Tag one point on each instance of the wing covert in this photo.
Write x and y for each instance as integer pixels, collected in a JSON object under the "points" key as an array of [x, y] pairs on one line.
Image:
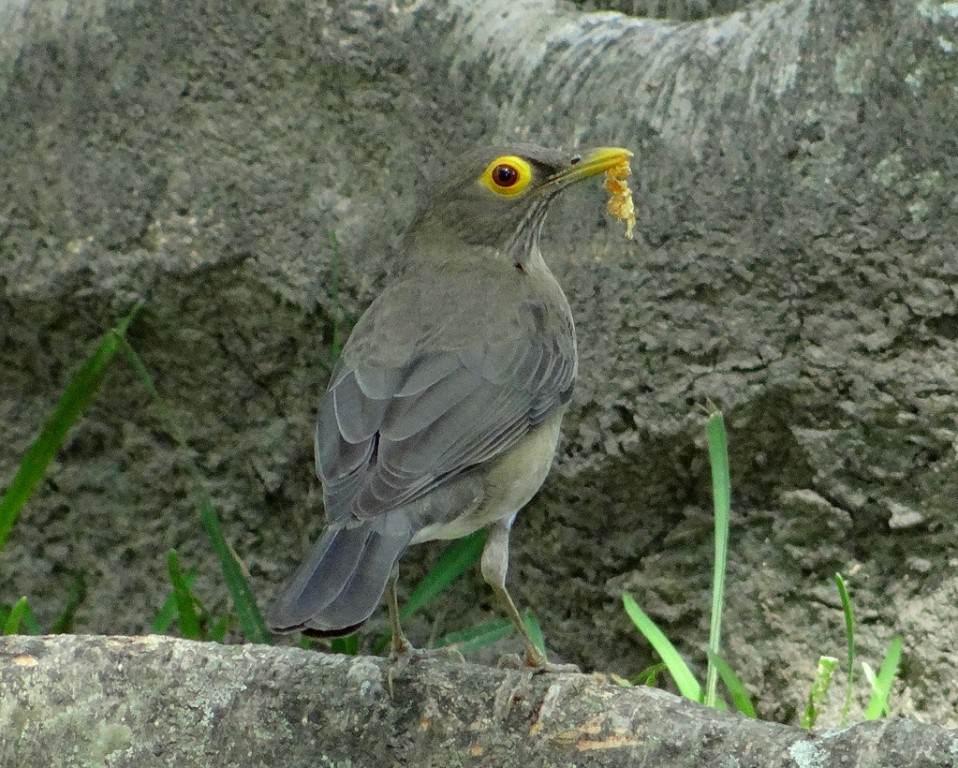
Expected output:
{"points": [[385, 439]]}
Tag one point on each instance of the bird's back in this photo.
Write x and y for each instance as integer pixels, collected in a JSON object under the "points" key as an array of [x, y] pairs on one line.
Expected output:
{"points": [[440, 376]]}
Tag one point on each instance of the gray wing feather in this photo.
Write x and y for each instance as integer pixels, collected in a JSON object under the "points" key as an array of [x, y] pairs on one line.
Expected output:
{"points": [[430, 370], [358, 414], [414, 412], [387, 435]]}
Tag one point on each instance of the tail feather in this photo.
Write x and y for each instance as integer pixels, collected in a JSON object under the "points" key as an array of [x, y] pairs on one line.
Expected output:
{"points": [[340, 583], [362, 593]]}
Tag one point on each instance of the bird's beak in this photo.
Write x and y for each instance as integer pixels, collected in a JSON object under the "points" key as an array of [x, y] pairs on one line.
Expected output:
{"points": [[594, 162]]}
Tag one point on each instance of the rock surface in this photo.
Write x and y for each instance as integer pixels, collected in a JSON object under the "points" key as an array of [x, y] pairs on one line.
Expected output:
{"points": [[157, 701]]}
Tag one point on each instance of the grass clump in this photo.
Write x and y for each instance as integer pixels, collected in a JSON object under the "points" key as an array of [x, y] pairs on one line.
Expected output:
{"points": [[73, 403], [672, 661], [880, 683]]}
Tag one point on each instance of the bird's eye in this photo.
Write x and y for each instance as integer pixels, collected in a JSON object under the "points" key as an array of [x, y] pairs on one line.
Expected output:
{"points": [[507, 176], [504, 175]]}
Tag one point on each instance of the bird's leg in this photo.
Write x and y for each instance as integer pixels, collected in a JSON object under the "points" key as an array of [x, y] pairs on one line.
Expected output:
{"points": [[495, 565], [402, 648]]}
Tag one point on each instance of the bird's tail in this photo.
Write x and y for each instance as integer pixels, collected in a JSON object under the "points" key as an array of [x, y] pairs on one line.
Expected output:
{"points": [[340, 583]]}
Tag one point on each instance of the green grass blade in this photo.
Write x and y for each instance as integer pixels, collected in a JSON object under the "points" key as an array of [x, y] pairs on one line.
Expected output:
{"points": [[649, 675], [684, 679], [721, 500], [11, 624], [535, 631], [30, 624], [75, 597], [247, 611], [167, 614], [347, 645], [475, 638], [71, 405], [849, 643], [186, 613], [218, 629], [737, 692], [456, 560], [22, 619], [818, 694], [17, 617], [881, 690]]}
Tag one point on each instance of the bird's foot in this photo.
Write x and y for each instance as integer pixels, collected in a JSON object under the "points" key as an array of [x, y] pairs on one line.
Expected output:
{"points": [[536, 663], [555, 668], [404, 652], [401, 658]]}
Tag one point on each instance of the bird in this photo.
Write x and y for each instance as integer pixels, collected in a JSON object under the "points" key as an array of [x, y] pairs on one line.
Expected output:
{"points": [[442, 413]]}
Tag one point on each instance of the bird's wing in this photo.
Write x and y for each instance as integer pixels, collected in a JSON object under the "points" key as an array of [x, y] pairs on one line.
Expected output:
{"points": [[393, 428]]}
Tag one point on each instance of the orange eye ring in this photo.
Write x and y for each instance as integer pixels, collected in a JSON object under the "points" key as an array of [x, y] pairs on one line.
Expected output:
{"points": [[507, 176]]}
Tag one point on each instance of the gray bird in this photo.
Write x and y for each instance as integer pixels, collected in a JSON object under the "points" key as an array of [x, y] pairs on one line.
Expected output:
{"points": [[443, 412]]}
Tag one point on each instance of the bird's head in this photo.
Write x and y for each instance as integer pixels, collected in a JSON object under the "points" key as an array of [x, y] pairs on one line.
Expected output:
{"points": [[497, 197]]}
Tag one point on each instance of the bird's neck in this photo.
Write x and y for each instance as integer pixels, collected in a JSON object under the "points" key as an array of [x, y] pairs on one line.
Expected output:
{"points": [[432, 246]]}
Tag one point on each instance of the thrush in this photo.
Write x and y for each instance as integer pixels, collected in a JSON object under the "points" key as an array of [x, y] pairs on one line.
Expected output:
{"points": [[442, 414]]}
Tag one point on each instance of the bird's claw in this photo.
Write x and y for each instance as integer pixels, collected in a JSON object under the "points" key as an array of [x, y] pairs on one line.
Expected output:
{"points": [[404, 654], [535, 663]]}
